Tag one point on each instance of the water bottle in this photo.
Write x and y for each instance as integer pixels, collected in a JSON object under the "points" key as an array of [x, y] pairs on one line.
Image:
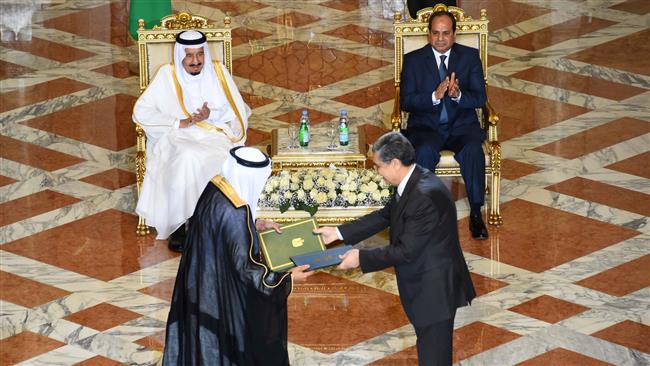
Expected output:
{"points": [[303, 133], [344, 135]]}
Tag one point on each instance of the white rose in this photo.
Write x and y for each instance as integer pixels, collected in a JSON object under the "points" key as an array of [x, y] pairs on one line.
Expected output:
{"points": [[308, 184], [295, 178], [321, 197], [287, 195], [295, 186], [364, 187], [284, 183], [351, 198], [353, 186], [320, 182], [362, 196], [268, 188], [345, 187], [372, 186], [301, 194], [331, 194], [376, 196], [313, 193], [275, 198], [385, 193], [330, 185]]}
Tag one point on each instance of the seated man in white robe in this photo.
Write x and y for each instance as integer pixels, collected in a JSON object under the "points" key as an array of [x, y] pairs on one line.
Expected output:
{"points": [[192, 114]]}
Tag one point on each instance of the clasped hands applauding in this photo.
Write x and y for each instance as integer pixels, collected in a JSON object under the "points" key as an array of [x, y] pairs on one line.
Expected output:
{"points": [[449, 86], [201, 115]]}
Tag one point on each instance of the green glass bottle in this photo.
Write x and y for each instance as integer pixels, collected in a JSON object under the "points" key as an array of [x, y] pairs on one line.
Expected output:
{"points": [[344, 133], [303, 132]]}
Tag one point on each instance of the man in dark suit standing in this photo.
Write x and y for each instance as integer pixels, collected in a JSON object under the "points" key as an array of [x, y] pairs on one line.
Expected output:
{"points": [[432, 276], [442, 84]]}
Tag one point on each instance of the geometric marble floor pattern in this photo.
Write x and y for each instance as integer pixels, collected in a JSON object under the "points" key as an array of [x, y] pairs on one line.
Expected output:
{"points": [[564, 281]]}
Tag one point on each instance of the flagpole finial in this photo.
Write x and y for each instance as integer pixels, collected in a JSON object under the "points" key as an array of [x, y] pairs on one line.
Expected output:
{"points": [[140, 24], [226, 21]]}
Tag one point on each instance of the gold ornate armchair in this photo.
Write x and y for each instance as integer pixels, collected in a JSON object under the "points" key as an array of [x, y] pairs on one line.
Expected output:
{"points": [[156, 48], [411, 35]]}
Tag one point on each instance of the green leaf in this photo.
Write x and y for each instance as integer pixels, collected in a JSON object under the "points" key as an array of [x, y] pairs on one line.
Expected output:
{"points": [[307, 208], [284, 206]]}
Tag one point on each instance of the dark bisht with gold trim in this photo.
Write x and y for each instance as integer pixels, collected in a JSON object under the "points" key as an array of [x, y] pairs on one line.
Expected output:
{"points": [[228, 308]]}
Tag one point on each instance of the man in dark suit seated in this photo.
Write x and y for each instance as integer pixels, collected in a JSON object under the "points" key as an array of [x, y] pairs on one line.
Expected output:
{"points": [[432, 276], [441, 86]]}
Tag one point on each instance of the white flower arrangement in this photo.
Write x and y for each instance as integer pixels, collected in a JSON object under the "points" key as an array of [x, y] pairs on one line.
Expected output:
{"points": [[309, 189]]}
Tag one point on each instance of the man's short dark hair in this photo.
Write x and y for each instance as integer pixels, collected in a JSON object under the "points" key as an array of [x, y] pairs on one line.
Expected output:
{"points": [[393, 145], [443, 13]]}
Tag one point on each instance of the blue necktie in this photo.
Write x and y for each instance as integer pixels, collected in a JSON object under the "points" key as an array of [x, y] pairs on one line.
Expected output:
{"points": [[442, 71]]}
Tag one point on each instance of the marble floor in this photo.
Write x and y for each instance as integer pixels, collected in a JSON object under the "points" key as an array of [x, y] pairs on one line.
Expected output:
{"points": [[564, 281]]}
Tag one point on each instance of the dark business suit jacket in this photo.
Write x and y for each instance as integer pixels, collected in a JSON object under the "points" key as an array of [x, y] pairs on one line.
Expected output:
{"points": [[420, 78], [432, 275]]}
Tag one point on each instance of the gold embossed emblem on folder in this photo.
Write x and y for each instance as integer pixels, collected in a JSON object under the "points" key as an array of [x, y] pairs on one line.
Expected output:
{"points": [[297, 242], [296, 238]]}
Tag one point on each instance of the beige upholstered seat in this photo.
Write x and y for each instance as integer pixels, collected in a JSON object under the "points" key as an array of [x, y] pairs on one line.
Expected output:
{"points": [[411, 35], [155, 49]]}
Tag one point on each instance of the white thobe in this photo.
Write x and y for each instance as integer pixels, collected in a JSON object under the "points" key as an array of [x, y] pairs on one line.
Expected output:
{"points": [[181, 161]]}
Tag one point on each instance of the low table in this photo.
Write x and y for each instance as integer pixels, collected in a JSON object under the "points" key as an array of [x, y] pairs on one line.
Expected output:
{"points": [[317, 155]]}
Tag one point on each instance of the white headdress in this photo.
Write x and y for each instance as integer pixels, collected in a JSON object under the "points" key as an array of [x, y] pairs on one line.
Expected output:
{"points": [[205, 86], [247, 169]]}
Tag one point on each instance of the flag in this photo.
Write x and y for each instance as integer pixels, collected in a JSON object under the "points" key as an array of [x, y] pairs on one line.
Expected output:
{"points": [[149, 10]]}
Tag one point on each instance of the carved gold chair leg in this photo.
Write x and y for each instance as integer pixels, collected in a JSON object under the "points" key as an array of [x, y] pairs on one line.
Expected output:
{"points": [[140, 156], [142, 228], [494, 217]]}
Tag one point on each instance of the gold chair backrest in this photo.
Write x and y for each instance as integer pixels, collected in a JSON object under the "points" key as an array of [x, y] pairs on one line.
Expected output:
{"points": [[156, 46], [413, 34]]}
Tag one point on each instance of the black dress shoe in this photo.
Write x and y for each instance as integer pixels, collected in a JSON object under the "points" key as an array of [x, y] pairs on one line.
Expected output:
{"points": [[477, 227], [176, 240]]}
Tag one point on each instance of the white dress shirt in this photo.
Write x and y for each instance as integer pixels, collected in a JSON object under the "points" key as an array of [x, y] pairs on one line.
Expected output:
{"points": [[437, 55]]}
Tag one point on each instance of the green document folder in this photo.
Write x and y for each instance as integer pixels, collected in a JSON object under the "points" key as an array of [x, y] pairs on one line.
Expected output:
{"points": [[296, 238]]}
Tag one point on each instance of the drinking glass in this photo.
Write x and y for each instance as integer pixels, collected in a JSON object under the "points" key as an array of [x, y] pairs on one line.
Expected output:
{"points": [[293, 136], [333, 134]]}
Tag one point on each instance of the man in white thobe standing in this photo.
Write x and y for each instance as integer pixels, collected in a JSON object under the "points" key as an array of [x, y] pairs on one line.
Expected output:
{"points": [[192, 114]]}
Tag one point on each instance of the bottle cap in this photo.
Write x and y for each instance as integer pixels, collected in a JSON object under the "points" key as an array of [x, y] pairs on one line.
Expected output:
{"points": [[344, 112], [304, 112]]}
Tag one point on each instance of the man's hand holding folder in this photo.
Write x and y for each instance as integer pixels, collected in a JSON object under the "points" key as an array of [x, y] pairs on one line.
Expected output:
{"points": [[349, 259]]}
